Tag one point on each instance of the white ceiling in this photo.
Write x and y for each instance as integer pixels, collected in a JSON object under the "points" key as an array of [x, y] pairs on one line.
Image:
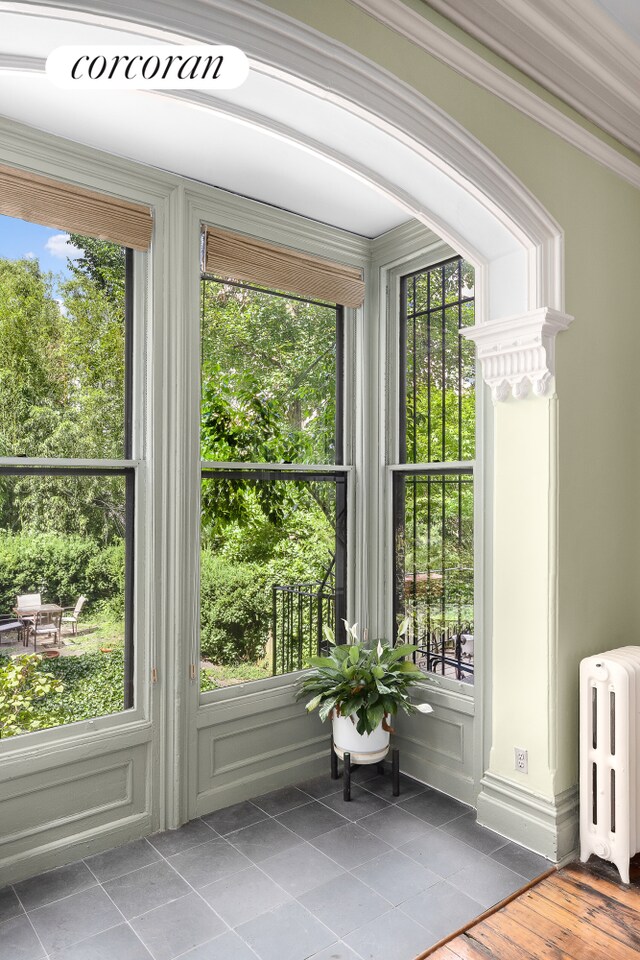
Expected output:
{"points": [[215, 139]]}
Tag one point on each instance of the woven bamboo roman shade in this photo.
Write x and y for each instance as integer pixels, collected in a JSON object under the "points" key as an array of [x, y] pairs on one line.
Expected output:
{"points": [[255, 261], [52, 203]]}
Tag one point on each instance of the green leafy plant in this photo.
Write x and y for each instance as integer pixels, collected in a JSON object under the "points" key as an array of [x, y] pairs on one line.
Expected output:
{"points": [[367, 684], [22, 684], [93, 686], [235, 609]]}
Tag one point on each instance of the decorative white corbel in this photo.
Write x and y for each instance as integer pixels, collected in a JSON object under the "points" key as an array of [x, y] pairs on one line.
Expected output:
{"points": [[518, 353]]}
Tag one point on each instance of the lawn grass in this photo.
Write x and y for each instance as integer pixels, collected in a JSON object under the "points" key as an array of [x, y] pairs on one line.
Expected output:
{"points": [[214, 676]]}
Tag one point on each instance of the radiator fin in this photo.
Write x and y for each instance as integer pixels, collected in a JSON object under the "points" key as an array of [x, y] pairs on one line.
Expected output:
{"points": [[612, 721], [613, 801]]}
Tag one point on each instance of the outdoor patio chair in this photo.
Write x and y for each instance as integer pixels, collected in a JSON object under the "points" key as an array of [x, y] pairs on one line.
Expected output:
{"points": [[73, 618], [9, 623], [46, 626], [28, 601]]}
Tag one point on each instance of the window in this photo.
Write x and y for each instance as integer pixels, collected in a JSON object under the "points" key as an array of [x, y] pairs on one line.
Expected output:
{"points": [[274, 488], [433, 484], [67, 474]]}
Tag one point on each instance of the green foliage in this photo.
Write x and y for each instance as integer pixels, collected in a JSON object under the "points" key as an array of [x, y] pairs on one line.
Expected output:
{"points": [[285, 346], [235, 608], [241, 422], [32, 374], [86, 506], [93, 337], [458, 436], [61, 568], [268, 395], [102, 262], [236, 581], [62, 389], [224, 676], [23, 685], [369, 685], [93, 686], [440, 367], [62, 362], [297, 551]]}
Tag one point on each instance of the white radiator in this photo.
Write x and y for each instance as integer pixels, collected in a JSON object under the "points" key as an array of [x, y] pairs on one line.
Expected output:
{"points": [[609, 761]]}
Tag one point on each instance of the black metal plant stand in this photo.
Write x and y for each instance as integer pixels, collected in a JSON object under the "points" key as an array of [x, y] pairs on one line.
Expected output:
{"points": [[346, 773]]}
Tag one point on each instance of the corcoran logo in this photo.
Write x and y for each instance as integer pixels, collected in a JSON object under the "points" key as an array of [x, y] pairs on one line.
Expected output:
{"points": [[126, 67]]}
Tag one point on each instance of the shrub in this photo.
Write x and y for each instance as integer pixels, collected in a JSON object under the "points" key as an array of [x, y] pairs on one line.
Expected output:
{"points": [[61, 567], [235, 609], [105, 578], [93, 687], [24, 684]]}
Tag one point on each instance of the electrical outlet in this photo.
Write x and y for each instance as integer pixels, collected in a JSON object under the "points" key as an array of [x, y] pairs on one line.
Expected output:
{"points": [[521, 760]]}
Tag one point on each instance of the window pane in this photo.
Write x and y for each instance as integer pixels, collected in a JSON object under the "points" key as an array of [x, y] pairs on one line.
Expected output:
{"points": [[64, 537], [438, 380], [268, 377], [62, 344], [433, 576], [272, 572]]}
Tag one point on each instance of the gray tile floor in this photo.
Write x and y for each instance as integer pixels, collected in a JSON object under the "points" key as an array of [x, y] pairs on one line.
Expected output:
{"points": [[292, 875]]}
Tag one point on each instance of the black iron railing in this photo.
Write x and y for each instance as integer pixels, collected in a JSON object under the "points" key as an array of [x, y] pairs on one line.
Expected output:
{"points": [[300, 611], [447, 650]]}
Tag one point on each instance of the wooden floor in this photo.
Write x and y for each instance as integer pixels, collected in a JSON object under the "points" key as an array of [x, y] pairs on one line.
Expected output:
{"points": [[577, 913]]}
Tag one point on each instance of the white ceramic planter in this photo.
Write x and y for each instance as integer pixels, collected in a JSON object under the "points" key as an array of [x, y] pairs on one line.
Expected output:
{"points": [[363, 747]]}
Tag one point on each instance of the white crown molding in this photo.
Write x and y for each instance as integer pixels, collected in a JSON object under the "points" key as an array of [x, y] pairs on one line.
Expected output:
{"points": [[439, 44], [573, 48], [518, 353]]}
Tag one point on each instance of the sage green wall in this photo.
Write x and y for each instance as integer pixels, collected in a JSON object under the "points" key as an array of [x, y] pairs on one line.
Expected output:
{"points": [[598, 567]]}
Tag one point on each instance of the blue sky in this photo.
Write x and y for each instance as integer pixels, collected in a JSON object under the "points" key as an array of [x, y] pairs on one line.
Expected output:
{"points": [[20, 239]]}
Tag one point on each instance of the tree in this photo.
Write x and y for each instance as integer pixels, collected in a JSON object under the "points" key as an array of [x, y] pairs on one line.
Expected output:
{"points": [[288, 347], [268, 395], [33, 381], [93, 338], [103, 263], [62, 389], [241, 422]]}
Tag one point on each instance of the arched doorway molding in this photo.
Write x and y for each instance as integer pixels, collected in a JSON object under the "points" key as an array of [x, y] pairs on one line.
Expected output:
{"points": [[285, 50]]}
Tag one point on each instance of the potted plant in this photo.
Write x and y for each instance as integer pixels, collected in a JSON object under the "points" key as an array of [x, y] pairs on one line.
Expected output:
{"points": [[361, 688]]}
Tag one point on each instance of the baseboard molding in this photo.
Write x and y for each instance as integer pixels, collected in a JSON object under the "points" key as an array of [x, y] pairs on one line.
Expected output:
{"points": [[256, 783], [30, 863], [549, 827], [455, 784]]}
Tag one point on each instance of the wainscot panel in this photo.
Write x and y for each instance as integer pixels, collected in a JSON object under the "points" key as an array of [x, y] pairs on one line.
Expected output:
{"points": [[437, 748], [65, 805], [255, 743]]}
